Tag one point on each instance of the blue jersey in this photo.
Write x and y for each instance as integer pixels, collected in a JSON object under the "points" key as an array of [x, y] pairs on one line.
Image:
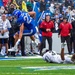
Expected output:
{"points": [[28, 21]]}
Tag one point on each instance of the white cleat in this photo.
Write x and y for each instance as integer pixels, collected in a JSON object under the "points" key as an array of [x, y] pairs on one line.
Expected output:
{"points": [[11, 49], [6, 56], [15, 48]]}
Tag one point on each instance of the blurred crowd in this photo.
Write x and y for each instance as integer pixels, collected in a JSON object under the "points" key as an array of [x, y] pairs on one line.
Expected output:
{"points": [[57, 9]]}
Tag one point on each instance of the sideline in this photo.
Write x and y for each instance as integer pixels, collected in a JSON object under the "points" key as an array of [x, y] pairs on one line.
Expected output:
{"points": [[20, 58]]}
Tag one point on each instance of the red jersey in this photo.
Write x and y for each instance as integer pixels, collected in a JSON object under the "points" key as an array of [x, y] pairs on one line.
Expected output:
{"points": [[65, 28], [47, 25]]}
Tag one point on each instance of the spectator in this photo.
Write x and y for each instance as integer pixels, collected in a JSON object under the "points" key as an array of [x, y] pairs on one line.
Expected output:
{"points": [[57, 10], [64, 9], [2, 9], [5, 2], [72, 13], [6, 9], [56, 23], [68, 3], [38, 4], [72, 6], [42, 5], [60, 19], [20, 4], [29, 6], [62, 13], [69, 9], [47, 4], [64, 31], [46, 27], [61, 7], [11, 8], [12, 31], [52, 8], [33, 4], [4, 32]]}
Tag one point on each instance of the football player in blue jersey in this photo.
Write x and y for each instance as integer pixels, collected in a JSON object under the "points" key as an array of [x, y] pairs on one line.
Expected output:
{"points": [[27, 26]]}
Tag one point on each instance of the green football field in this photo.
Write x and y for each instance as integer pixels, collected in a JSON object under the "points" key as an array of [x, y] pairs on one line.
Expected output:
{"points": [[35, 66]]}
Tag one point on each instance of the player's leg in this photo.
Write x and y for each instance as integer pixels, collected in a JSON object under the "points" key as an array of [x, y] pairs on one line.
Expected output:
{"points": [[71, 43], [68, 44], [32, 38], [6, 45], [31, 34], [0, 44], [73, 58], [62, 47], [26, 32], [49, 39], [62, 51], [16, 36], [22, 43], [74, 46], [42, 44]]}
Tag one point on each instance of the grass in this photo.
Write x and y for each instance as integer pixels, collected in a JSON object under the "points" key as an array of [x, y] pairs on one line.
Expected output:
{"points": [[14, 67]]}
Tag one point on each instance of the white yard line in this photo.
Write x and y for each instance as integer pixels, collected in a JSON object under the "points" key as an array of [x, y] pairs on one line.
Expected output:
{"points": [[41, 68], [26, 57], [22, 73]]}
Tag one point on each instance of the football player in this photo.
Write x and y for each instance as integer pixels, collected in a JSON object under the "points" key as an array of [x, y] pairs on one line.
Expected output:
{"points": [[52, 56], [26, 24]]}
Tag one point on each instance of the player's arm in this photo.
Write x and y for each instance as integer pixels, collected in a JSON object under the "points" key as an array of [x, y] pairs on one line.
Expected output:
{"points": [[32, 14], [20, 34], [62, 52], [21, 31]]}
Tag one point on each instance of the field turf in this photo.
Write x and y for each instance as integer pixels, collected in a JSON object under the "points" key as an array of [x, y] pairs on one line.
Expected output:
{"points": [[35, 66]]}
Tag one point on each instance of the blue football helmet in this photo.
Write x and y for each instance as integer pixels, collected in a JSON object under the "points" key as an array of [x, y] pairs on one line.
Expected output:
{"points": [[17, 13]]}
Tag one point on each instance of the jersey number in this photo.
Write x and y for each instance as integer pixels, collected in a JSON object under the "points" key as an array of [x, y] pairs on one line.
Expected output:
{"points": [[27, 18]]}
